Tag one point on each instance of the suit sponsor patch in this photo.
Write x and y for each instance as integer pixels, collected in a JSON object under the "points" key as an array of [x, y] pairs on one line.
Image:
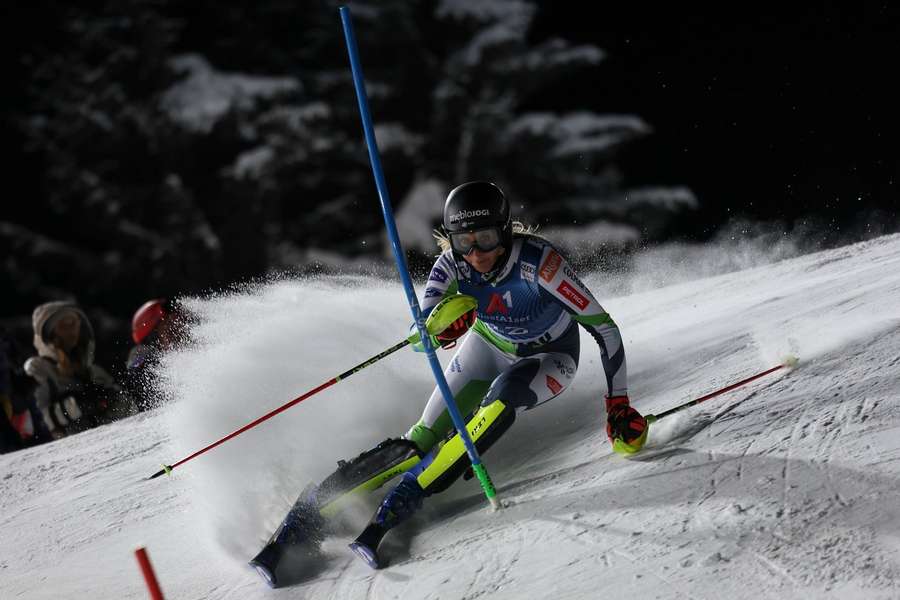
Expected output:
{"points": [[528, 272], [564, 370], [572, 295], [571, 275], [550, 266], [438, 274], [553, 385]]}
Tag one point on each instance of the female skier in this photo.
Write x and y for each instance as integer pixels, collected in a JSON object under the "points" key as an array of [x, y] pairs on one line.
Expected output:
{"points": [[524, 352]]}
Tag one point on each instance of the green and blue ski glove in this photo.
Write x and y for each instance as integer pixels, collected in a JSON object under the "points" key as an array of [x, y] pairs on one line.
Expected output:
{"points": [[626, 428], [460, 308]]}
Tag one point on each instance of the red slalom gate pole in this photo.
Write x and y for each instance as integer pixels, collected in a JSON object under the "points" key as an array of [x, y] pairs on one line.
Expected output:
{"points": [[789, 363], [149, 576]]}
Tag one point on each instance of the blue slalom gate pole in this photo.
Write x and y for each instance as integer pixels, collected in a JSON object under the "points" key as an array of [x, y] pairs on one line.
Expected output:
{"points": [[400, 257]]}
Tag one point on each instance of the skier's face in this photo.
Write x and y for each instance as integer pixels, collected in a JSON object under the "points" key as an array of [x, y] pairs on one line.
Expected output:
{"points": [[484, 262]]}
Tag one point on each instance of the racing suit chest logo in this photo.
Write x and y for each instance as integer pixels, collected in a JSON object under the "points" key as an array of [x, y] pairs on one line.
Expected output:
{"points": [[550, 266], [497, 305]]}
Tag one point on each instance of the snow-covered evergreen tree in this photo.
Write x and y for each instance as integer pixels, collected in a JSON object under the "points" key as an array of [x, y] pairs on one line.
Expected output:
{"points": [[179, 152], [558, 168]]}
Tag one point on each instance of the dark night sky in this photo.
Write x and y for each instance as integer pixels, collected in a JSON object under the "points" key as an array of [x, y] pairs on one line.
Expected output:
{"points": [[776, 113], [773, 114], [784, 113]]}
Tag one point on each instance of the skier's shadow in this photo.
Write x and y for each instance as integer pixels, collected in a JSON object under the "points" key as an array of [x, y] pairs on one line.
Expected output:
{"points": [[838, 493], [299, 566], [396, 547], [460, 506]]}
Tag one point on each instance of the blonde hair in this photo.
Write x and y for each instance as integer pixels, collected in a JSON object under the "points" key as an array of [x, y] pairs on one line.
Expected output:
{"points": [[518, 228]]}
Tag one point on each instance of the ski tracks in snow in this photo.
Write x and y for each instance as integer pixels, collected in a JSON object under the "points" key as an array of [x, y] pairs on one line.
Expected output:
{"points": [[789, 492], [818, 534]]}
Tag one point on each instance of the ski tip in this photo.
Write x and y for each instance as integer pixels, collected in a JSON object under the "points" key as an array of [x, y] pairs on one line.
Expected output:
{"points": [[790, 361], [369, 556]]}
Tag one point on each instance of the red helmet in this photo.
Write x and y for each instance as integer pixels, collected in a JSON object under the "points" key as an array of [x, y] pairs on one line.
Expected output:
{"points": [[147, 318]]}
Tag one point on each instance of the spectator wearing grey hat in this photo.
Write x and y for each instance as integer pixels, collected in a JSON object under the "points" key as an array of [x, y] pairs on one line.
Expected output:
{"points": [[72, 393]]}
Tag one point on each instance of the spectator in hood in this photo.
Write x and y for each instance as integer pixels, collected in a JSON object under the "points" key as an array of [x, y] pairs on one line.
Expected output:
{"points": [[156, 328], [72, 394]]}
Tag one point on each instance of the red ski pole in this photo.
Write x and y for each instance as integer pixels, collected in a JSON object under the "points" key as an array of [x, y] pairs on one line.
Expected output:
{"points": [[446, 312], [789, 363], [168, 468], [149, 576]]}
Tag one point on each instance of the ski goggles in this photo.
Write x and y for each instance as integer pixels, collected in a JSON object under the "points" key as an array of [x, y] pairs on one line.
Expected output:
{"points": [[483, 239]]}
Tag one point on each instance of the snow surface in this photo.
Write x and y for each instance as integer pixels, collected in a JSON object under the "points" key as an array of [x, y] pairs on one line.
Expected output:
{"points": [[787, 488]]}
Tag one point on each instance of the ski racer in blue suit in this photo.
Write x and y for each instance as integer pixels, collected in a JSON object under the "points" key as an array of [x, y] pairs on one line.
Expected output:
{"points": [[524, 350]]}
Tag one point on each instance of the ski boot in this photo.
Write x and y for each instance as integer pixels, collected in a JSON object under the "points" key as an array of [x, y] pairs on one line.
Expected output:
{"points": [[306, 524], [399, 505], [302, 527], [433, 474]]}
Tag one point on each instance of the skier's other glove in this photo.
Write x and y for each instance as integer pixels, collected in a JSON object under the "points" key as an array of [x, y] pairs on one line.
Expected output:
{"points": [[625, 427], [458, 328]]}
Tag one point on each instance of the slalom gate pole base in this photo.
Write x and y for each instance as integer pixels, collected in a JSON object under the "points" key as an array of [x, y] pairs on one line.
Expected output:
{"points": [[487, 485], [149, 575]]}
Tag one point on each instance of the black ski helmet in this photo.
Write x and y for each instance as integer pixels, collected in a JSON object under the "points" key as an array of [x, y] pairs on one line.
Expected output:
{"points": [[477, 205]]}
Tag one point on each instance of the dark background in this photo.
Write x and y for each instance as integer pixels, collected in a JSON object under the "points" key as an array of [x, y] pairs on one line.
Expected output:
{"points": [[782, 115]]}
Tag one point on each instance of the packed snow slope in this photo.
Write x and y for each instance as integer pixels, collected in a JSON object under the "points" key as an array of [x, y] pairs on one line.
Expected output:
{"points": [[786, 488]]}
